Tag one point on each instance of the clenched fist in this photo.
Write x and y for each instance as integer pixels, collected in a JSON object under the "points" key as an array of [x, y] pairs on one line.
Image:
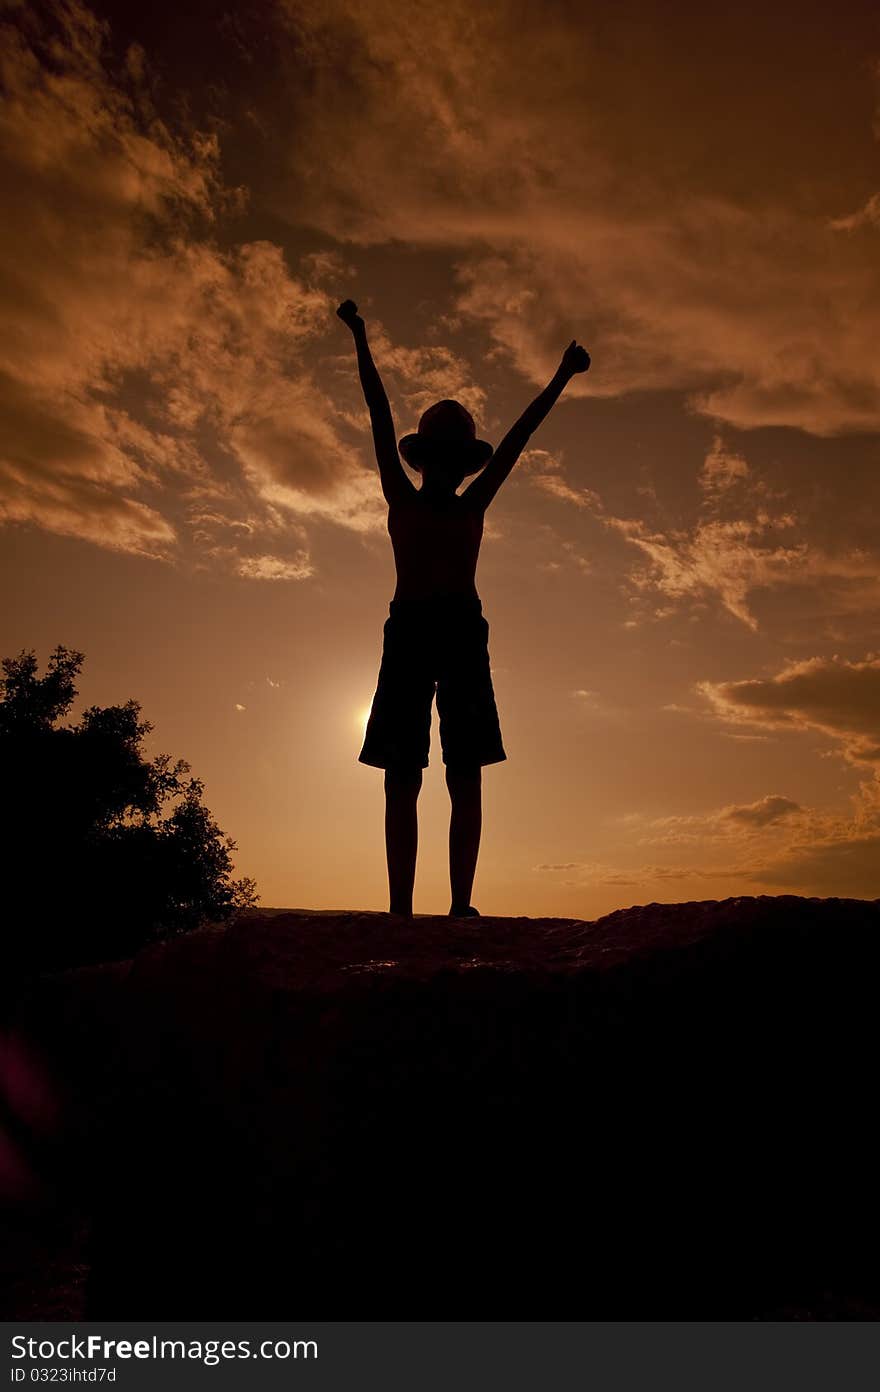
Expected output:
{"points": [[575, 359], [348, 313]]}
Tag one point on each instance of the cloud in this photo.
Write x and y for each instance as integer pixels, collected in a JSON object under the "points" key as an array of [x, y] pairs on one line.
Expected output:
{"points": [[766, 811], [557, 487], [735, 822], [539, 462], [575, 212], [829, 853], [546, 471], [275, 568], [722, 469], [144, 370], [821, 852], [594, 873], [62, 468], [772, 842], [844, 865], [326, 268], [834, 696], [157, 368], [426, 374], [832, 854], [867, 216], [730, 557]]}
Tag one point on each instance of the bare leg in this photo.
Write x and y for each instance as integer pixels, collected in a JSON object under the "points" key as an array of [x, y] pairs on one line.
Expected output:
{"points": [[465, 825], [401, 835]]}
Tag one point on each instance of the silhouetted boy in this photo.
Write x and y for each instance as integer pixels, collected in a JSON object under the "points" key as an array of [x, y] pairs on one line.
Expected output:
{"points": [[435, 636]]}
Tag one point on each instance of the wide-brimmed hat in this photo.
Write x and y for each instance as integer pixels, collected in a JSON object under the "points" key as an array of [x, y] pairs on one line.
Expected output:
{"points": [[446, 428]]}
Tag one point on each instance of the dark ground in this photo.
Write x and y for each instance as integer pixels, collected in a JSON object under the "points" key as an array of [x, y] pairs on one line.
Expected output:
{"points": [[666, 1114]]}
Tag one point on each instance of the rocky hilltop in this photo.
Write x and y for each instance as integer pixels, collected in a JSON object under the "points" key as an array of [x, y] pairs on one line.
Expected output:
{"points": [[666, 1113]]}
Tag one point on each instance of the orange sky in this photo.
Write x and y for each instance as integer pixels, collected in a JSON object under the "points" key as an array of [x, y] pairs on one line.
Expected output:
{"points": [[682, 577]]}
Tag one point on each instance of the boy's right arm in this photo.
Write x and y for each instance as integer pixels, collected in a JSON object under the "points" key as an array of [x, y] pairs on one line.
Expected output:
{"points": [[395, 483]]}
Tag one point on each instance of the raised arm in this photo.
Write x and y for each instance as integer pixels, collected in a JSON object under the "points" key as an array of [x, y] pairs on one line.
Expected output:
{"points": [[394, 481], [484, 487]]}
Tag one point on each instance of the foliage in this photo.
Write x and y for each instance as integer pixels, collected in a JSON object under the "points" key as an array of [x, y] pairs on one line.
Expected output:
{"points": [[105, 849]]}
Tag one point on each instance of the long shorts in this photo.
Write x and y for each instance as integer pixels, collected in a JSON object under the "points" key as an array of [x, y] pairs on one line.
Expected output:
{"points": [[434, 646]]}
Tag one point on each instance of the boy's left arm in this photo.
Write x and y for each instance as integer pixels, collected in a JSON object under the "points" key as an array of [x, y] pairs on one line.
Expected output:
{"points": [[484, 487]]}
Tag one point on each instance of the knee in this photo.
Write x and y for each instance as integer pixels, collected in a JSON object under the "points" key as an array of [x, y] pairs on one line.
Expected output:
{"points": [[463, 779], [403, 781]]}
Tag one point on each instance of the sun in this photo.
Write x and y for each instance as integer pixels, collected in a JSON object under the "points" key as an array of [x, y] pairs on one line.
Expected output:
{"points": [[361, 717]]}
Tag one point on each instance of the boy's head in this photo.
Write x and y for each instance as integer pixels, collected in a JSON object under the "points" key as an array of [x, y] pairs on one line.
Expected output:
{"points": [[445, 449]]}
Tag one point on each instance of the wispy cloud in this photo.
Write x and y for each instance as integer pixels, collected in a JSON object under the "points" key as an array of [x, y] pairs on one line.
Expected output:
{"points": [[722, 470], [773, 843], [275, 568], [426, 133], [827, 851], [741, 541], [146, 372], [735, 821]]}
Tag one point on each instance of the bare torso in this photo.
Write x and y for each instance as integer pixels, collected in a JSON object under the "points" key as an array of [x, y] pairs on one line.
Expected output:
{"points": [[436, 544]]}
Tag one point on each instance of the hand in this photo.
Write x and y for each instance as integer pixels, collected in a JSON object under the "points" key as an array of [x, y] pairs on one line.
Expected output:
{"points": [[348, 313], [575, 359]]}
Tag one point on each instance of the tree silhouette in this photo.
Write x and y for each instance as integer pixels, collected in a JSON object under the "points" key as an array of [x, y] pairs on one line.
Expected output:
{"points": [[105, 850]]}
